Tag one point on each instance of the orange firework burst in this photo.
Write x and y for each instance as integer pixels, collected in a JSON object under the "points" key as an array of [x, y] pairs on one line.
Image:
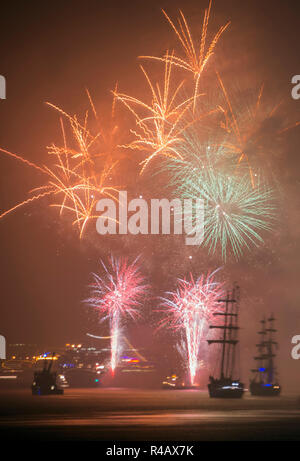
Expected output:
{"points": [[197, 55], [252, 129], [78, 175], [160, 123]]}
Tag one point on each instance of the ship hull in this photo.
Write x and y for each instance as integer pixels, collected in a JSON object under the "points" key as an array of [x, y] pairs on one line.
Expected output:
{"points": [[259, 389], [223, 390]]}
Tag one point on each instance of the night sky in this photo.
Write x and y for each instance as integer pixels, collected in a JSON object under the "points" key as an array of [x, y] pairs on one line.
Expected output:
{"points": [[52, 51]]}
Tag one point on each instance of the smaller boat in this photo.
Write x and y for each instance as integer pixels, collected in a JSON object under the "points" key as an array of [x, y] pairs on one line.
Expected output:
{"points": [[83, 377], [265, 382], [46, 382], [173, 381]]}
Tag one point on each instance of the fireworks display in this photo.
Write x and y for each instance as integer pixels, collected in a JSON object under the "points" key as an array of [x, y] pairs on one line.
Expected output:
{"points": [[160, 124], [207, 148], [196, 55], [206, 140], [117, 296], [235, 213], [252, 129], [188, 309], [78, 175]]}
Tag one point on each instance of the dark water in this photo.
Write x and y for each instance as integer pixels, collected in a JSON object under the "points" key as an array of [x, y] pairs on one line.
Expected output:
{"points": [[129, 414]]}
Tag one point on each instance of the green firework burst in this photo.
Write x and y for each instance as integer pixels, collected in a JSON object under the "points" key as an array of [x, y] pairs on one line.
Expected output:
{"points": [[236, 214]]}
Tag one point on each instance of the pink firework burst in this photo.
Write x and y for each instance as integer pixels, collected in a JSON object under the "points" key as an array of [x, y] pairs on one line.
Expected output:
{"points": [[117, 295], [188, 309]]}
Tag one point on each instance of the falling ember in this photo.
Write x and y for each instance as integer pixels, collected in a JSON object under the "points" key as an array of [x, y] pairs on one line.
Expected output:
{"points": [[117, 296], [188, 309]]}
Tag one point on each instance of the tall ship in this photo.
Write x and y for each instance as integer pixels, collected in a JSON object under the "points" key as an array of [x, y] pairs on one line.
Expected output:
{"points": [[265, 380], [227, 384]]}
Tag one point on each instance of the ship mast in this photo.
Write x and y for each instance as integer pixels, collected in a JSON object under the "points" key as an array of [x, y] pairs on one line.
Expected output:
{"points": [[269, 346], [261, 347], [229, 334], [265, 360]]}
